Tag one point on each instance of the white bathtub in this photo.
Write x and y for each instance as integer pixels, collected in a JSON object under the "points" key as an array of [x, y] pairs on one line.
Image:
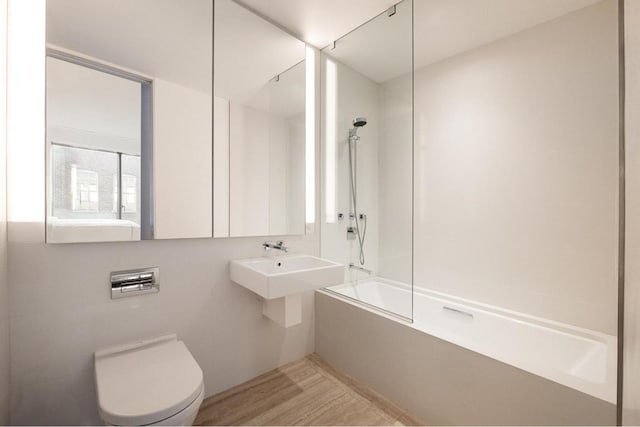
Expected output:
{"points": [[578, 358]]}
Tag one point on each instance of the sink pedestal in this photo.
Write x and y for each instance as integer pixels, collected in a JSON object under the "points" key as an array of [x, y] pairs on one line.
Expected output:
{"points": [[285, 311]]}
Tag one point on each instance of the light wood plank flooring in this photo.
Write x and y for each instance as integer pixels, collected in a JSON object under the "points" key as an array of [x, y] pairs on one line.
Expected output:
{"points": [[306, 392]]}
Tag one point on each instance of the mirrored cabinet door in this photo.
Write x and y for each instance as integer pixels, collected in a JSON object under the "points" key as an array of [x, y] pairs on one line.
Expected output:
{"points": [[260, 126], [129, 120]]}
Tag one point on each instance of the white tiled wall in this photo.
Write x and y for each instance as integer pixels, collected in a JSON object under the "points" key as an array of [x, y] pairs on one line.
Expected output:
{"points": [[62, 313], [395, 180], [516, 169], [357, 97], [516, 155]]}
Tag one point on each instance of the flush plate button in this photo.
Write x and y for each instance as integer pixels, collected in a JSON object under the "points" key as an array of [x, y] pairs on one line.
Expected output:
{"points": [[131, 283]]}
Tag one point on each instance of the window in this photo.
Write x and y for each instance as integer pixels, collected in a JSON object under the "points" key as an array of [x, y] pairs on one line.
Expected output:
{"points": [[84, 190], [85, 184], [129, 193]]}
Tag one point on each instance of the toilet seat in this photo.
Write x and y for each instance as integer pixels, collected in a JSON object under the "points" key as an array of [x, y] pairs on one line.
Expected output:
{"points": [[146, 382]]}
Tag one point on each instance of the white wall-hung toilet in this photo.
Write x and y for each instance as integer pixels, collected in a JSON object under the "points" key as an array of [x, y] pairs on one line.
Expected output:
{"points": [[152, 382]]}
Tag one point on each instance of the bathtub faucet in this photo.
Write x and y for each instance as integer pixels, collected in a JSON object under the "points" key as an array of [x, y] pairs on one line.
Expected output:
{"points": [[357, 267]]}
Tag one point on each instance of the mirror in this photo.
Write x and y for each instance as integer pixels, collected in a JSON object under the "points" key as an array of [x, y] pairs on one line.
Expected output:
{"points": [[129, 120], [260, 126]]}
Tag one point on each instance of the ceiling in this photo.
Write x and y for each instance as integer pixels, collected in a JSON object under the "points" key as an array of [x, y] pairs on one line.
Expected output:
{"points": [[443, 28], [318, 22], [148, 36], [447, 27]]}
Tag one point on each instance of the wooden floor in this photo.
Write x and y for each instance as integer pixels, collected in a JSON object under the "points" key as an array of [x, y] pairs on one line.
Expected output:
{"points": [[306, 392]]}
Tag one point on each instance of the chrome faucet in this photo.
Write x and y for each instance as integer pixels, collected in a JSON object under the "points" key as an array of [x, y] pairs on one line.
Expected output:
{"points": [[352, 266], [279, 245]]}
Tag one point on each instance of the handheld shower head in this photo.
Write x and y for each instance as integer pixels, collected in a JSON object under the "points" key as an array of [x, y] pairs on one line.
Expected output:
{"points": [[359, 122]]}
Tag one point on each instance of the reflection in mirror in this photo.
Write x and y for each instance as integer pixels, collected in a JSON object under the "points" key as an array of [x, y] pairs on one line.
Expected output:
{"points": [[94, 139], [129, 144], [260, 126], [267, 158]]}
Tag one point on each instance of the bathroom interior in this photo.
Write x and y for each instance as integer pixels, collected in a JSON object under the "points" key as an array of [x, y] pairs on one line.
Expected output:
{"points": [[320, 212]]}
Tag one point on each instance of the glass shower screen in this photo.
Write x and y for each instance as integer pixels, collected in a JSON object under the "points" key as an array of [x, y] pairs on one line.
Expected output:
{"points": [[367, 157]]}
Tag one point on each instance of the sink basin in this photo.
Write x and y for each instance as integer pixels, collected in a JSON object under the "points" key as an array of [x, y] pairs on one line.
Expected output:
{"points": [[276, 277]]}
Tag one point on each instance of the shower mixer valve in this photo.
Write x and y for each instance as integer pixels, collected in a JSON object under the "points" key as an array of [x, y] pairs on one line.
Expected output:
{"points": [[351, 233], [360, 216]]}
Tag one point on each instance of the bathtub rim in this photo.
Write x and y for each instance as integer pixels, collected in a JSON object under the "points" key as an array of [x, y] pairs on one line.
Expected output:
{"points": [[370, 307]]}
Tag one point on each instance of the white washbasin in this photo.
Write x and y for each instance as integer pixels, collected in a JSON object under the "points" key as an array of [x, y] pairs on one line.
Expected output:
{"points": [[276, 277]]}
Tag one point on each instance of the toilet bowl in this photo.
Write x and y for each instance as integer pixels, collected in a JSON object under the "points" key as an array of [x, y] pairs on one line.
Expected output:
{"points": [[152, 382]]}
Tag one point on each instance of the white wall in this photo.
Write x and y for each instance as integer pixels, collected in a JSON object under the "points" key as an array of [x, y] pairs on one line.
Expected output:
{"points": [[266, 172], [517, 171], [631, 367], [249, 141], [357, 96], [278, 162], [395, 180], [221, 167], [4, 284], [62, 313], [296, 169], [182, 162]]}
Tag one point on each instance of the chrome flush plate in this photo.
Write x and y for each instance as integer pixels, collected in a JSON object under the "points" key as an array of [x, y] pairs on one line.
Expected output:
{"points": [[131, 283]]}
